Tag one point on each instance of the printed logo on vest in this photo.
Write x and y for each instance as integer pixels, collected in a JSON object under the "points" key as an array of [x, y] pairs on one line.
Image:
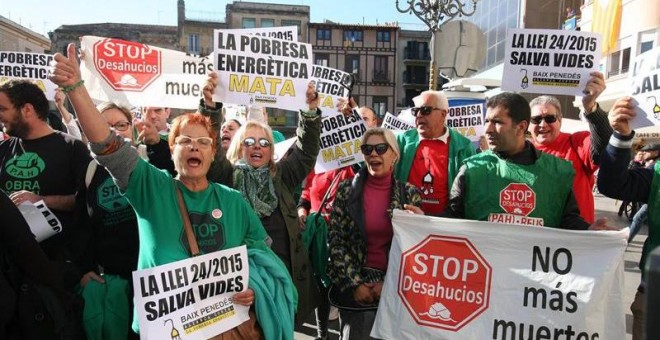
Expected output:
{"points": [[25, 166], [518, 200], [209, 232], [109, 198]]}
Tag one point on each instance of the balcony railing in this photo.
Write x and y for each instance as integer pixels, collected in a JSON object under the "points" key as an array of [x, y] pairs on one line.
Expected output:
{"points": [[380, 76], [415, 54], [415, 79], [613, 73]]}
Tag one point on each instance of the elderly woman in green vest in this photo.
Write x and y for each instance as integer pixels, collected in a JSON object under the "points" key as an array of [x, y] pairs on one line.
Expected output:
{"points": [[269, 186]]}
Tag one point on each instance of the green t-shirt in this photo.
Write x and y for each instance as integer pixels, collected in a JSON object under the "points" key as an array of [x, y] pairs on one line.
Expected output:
{"points": [[505, 192], [220, 217]]}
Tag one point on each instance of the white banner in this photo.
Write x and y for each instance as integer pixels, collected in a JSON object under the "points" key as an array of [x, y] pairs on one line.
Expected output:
{"points": [[262, 71], [331, 84], [24, 65], [459, 279], [341, 137], [393, 123], [645, 80], [135, 74], [192, 298], [42, 222], [549, 61]]}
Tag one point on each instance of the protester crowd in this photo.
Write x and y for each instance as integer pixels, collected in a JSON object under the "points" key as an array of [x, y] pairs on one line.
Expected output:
{"points": [[125, 190]]}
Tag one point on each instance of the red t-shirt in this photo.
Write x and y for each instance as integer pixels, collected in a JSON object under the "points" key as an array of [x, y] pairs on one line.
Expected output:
{"points": [[429, 174], [576, 148]]}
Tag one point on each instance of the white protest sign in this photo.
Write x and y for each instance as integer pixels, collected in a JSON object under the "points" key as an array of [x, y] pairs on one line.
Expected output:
{"points": [[261, 71], [467, 119], [549, 61], [645, 79], [341, 137], [192, 297], [24, 65], [393, 123], [135, 74], [284, 32], [331, 84], [43, 222], [459, 279], [282, 147]]}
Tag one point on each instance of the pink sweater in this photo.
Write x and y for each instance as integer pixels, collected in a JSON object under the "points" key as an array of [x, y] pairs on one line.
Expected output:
{"points": [[378, 225]]}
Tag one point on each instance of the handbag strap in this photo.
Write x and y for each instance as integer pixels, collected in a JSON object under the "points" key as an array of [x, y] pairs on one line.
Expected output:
{"points": [[327, 192], [187, 226]]}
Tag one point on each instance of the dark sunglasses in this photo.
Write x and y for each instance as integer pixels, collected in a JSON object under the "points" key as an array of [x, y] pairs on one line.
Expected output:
{"points": [[367, 149], [263, 142], [548, 119], [425, 110]]}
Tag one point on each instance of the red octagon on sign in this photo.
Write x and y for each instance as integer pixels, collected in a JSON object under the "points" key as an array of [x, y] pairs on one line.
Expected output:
{"points": [[444, 282], [127, 65], [518, 199]]}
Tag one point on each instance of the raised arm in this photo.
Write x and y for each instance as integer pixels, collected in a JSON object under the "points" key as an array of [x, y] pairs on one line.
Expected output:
{"points": [[66, 74], [111, 150]]}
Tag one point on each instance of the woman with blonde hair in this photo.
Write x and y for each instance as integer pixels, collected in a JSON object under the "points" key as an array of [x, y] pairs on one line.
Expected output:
{"points": [[269, 187], [360, 232]]}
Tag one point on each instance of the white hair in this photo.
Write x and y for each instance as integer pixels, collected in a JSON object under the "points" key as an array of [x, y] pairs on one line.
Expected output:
{"points": [[440, 98]]}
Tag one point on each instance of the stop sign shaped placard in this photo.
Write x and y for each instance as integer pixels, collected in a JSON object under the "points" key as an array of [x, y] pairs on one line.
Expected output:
{"points": [[127, 65], [518, 199], [444, 282]]}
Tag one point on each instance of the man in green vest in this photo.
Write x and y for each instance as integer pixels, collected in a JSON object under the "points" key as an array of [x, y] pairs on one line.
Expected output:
{"points": [[432, 153], [513, 182]]}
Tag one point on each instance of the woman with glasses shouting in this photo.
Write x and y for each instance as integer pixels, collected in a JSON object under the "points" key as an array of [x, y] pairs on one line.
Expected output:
{"points": [[269, 187], [360, 232], [187, 215]]}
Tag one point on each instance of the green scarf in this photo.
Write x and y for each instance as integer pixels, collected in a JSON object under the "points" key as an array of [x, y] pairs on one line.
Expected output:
{"points": [[256, 186]]}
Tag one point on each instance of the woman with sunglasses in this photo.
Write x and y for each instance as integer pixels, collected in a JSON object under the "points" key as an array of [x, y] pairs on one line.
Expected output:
{"points": [[269, 188], [153, 195], [360, 231]]}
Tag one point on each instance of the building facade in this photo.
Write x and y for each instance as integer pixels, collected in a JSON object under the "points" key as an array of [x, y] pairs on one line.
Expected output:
{"points": [[14, 37], [155, 35], [368, 52], [413, 58]]}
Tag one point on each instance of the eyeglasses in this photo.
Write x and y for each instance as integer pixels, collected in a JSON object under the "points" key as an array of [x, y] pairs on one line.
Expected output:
{"points": [[425, 110], [263, 142], [548, 119], [203, 142], [121, 125], [381, 148]]}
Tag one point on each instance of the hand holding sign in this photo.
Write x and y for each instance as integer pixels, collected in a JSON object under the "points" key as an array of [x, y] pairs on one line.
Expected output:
{"points": [[601, 224], [311, 96], [620, 115], [209, 88], [19, 197], [595, 86], [245, 298], [346, 106]]}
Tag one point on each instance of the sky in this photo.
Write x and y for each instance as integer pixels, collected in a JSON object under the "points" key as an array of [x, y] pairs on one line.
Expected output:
{"points": [[43, 16]]}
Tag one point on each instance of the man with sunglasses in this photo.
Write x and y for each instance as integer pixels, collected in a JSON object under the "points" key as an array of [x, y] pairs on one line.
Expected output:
{"points": [[580, 148], [483, 188], [432, 153]]}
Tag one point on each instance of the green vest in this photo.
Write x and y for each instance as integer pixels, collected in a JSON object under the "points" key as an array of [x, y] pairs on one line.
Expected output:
{"points": [[652, 240], [533, 194]]}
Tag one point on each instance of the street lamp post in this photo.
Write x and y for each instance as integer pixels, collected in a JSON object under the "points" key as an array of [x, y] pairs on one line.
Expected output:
{"points": [[432, 13]]}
